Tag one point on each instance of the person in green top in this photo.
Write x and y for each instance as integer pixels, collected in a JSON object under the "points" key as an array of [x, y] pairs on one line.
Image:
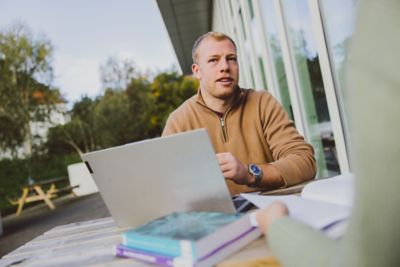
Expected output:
{"points": [[373, 87]]}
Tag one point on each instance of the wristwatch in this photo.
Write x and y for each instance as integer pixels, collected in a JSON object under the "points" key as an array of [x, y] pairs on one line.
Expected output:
{"points": [[257, 173]]}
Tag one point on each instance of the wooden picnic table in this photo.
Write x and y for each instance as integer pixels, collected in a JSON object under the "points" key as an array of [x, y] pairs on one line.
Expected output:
{"points": [[36, 192]]}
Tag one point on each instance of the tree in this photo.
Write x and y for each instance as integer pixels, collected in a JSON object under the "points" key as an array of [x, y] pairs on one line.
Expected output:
{"points": [[116, 74], [25, 94], [120, 75], [170, 90], [124, 116], [112, 119], [117, 117], [79, 134], [130, 110], [141, 107]]}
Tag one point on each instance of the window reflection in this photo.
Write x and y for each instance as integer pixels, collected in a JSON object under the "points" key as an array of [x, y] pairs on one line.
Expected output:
{"points": [[275, 49], [338, 21], [247, 48], [256, 33], [312, 93]]}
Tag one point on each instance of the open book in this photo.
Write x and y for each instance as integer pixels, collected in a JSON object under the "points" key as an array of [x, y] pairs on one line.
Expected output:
{"points": [[321, 203]]}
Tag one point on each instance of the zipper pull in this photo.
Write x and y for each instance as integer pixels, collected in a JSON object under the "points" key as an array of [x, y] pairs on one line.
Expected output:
{"points": [[222, 121]]}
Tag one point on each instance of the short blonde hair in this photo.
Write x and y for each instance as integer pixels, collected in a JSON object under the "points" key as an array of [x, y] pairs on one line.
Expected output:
{"points": [[218, 36]]}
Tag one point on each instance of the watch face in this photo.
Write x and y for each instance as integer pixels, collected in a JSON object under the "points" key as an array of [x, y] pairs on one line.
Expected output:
{"points": [[255, 170]]}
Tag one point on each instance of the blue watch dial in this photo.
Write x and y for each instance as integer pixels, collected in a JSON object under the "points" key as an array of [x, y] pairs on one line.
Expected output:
{"points": [[255, 170], [257, 174]]}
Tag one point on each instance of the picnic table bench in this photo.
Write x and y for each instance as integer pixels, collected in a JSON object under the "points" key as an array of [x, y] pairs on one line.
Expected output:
{"points": [[36, 192]]}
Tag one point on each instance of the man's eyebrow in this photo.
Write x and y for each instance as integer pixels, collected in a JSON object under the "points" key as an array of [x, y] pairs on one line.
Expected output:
{"points": [[218, 55]]}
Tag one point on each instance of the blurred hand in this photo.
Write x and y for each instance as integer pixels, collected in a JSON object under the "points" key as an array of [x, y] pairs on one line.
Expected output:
{"points": [[266, 216], [233, 169]]}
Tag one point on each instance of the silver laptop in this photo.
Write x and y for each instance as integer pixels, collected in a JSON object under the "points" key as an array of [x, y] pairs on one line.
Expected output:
{"points": [[145, 180]]}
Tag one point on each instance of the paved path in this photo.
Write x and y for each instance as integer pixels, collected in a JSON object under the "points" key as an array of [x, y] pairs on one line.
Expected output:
{"points": [[38, 219]]}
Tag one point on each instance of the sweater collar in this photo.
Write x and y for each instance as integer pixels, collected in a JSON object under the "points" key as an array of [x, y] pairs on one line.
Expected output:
{"points": [[239, 95]]}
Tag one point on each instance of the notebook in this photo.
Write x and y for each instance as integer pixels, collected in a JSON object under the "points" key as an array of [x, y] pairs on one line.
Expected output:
{"points": [[149, 179]]}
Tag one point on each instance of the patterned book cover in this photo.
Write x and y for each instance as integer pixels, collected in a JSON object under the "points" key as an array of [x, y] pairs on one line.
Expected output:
{"points": [[176, 234]]}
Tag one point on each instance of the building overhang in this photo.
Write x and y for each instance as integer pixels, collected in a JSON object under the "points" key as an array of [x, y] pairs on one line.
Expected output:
{"points": [[185, 21]]}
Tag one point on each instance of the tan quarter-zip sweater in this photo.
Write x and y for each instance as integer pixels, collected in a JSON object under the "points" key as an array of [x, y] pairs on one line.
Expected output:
{"points": [[255, 129]]}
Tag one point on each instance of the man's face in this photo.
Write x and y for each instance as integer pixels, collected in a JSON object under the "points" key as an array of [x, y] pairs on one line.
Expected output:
{"points": [[217, 68]]}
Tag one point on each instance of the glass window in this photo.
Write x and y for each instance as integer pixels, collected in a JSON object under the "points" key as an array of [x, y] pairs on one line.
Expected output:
{"points": [[338, 20], [247, 48], [255, 34], [242, 24], [251, 8], [309, 79], [270, 26], [230, 7], [262, 71]]}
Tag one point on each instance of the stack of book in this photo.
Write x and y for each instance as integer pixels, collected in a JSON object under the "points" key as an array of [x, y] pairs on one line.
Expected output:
{"points": [[188, 238]]}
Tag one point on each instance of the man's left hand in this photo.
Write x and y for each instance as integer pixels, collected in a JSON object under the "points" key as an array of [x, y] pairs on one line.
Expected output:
{"points": [[233, 169]]}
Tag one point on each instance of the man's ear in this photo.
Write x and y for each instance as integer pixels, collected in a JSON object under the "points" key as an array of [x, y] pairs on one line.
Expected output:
{"points": [[196, 70]]}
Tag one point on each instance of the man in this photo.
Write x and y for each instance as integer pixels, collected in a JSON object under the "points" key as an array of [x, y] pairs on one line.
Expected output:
{"points": [[256, 144]]}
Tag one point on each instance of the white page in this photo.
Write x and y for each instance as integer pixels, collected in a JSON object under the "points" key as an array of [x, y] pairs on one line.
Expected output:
{"points": [[338, 190], [317, 214]]}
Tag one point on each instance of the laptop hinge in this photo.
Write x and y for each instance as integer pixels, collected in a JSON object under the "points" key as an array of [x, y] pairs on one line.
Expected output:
{"points": [[88, 166]]}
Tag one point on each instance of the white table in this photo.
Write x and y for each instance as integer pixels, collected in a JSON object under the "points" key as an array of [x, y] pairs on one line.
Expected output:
{"points": [[90, 243]]}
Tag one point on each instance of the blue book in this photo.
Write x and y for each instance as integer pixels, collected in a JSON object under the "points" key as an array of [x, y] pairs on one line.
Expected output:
{"points": [[193, 237]]}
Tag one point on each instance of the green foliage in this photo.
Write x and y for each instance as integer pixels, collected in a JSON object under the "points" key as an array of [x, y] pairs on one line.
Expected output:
{"points": [[25, 71], [141, 105], [112, 118], [13, 174], [170, 90], [77, 135], [65, 138]]}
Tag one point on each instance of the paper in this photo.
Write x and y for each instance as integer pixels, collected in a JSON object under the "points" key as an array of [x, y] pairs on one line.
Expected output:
{"points": [[321, 204], [338, 190]]}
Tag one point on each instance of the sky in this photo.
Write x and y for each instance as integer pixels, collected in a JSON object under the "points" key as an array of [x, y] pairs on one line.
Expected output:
{"points": [[85, 33], [339, 20]]}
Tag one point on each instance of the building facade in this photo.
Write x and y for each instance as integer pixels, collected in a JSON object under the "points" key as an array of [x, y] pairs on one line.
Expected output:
{"points": [[39, 129], [295, 49]]}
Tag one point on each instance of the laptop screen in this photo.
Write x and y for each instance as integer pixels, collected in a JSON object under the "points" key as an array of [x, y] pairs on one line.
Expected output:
{"points": [[145, 180]]}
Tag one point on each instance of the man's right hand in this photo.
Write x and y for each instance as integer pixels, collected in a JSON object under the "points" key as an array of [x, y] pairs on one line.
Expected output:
{"points": [[232, 168]]}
